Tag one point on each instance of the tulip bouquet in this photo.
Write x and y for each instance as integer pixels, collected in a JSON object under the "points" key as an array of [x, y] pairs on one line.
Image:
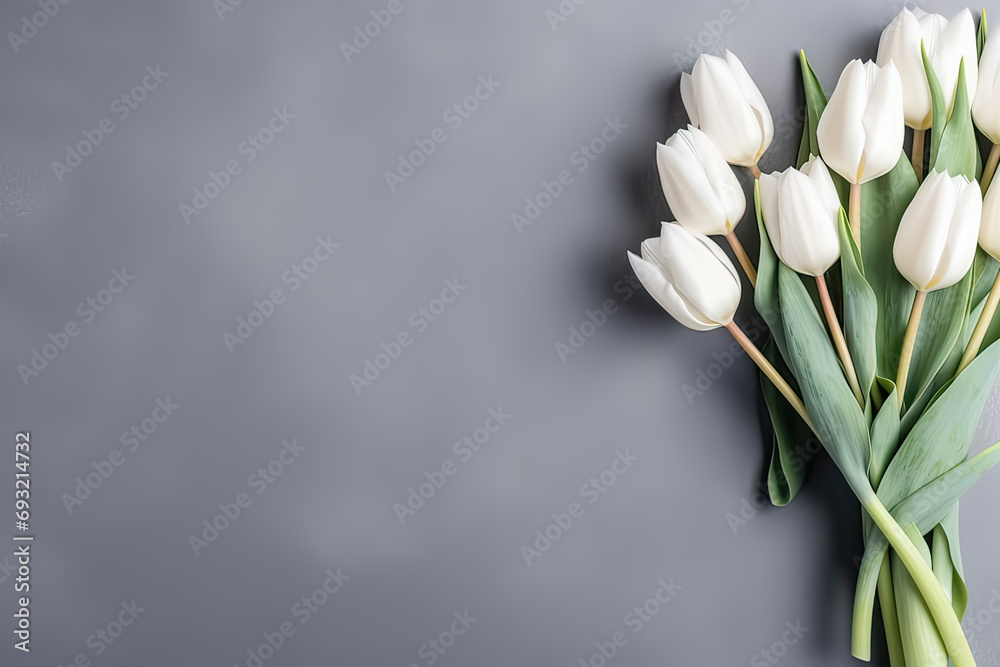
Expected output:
{"points": [[878, 279]]}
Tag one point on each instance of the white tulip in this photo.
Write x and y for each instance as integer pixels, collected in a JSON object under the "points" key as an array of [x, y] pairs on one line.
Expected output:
{"points": [[936, 241], [861, 130], [986, 106], [947, 43], [689, 275], [723, 101], [699, 184], [801, 213], [989, 231]]}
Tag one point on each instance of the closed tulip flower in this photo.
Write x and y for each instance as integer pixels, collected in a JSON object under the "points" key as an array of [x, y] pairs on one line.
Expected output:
{"points": [[699, 184], [935, 247], [947, 43], [860, 133], [723, 101], [801, 213], [936, 241], [689, 275]]}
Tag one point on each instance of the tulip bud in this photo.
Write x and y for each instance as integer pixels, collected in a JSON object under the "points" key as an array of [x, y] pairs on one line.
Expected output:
{"points": [[947, 43], [989, 231], [861, 130], [936, 241], [986, 106], [699, 184], [801, 212], [690, 277], [723, 101]]}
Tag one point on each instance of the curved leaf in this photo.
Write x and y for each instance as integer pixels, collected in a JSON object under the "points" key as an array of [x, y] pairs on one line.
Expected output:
{"points": [[941, 438], [860, 309], [831, 404]]}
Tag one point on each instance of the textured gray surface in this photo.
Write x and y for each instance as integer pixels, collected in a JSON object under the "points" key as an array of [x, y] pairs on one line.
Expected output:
{"points": [[493, 347]]}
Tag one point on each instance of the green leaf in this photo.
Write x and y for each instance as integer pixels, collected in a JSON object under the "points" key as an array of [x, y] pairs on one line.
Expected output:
{"points": [[941, 327], [959, 591], [926, 508], [788, 466], [945, 375], [981, 35], [860, 309], [984, 273], [884, 434], [883, 202], [958, 150], [941, 438], [939, 110], [765, 295], [815, 104], [831, 404]]}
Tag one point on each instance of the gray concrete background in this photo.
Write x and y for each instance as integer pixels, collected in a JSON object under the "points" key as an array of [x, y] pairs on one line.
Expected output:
{"points": [[493, 348]]}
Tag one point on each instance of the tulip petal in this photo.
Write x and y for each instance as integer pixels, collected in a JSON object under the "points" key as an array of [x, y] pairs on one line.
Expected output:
{"points": [[989, 231], [704, 277], [956, 40], [883, 124], [986, 105], [755, 99], [963, 232], [900, 43], [840, 133], [816, 170], [665, 295], [810, 240], [686, 187], [720, 177], [769, 207], [687, 97], [724, 113], [923, 230]]}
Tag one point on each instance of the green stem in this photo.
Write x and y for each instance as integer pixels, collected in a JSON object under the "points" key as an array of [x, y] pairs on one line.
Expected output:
{"points": [[890, 619], [979, 333], [909, 340], [934, 596], [922, 645]]}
